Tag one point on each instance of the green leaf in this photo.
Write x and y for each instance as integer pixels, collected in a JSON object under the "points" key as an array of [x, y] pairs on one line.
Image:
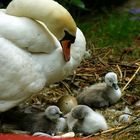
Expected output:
{"points": [[78, 3]]}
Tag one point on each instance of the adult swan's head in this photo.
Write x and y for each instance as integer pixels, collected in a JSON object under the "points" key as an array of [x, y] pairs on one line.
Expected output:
{"points": [[53, 15]]}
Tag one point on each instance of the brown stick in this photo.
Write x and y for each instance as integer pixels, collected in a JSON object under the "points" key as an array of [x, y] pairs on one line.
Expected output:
{"points": [[104, 132], [123, 65], [131, 78], [121, 76], [67, 87]]}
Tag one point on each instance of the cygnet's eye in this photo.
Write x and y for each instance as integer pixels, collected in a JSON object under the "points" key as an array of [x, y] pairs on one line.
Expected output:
{"points": [[109, 80]]}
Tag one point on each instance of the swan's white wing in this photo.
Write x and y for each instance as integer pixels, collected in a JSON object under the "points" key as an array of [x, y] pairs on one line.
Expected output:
{"points": [[26, 33], [20, 76]]}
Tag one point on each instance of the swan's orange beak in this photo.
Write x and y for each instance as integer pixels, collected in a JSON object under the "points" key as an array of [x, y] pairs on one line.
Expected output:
{"points": [[66, 49]]}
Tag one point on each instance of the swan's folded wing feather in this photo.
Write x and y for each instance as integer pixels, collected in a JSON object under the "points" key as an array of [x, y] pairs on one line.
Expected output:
{"points": [[27, 34], [19, 75]]}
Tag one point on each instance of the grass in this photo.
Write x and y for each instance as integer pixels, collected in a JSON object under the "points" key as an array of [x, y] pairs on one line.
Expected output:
{"points": [[111, 30]]}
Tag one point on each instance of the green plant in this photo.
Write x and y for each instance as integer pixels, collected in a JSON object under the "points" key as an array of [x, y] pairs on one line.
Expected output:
{"points": [[72, 3], [112, 30]]}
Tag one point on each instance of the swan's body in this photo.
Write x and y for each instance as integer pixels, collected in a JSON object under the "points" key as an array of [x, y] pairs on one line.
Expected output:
{"points": [[82, 119], [101, 94], [24, 73]]}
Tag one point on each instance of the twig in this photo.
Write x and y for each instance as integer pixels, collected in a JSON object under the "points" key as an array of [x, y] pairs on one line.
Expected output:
{"points": [[125, 100], [106, 54], [85, 74], [104, 132], [123, 65], [73, 77], [130, 114], [134, 121], [87, 69], [119, 71], [131, 78], [67, 87], [136, 61], [102, 62]]}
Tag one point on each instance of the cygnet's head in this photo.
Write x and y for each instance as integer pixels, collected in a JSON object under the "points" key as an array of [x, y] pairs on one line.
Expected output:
{"points": [[80, 112], [53, 113], [111, 80]]}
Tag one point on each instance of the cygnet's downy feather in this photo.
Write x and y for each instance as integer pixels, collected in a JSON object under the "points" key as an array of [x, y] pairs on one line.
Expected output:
{"points": [[82, 119], [51, 121], [101, 94]]}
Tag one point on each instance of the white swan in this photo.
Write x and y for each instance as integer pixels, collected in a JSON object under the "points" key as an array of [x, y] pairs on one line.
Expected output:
{"points": [[24, 73]]}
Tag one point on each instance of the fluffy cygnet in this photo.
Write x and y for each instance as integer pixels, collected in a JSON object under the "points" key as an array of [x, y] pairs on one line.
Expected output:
{"points": [[82, 119], [101, 94], [50, 121]]}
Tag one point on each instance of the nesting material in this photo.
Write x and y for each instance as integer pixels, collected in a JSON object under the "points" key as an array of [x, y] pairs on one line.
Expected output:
{"points": [[126, 117]]}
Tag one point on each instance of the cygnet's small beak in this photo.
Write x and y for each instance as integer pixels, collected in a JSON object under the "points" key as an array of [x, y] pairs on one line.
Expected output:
{"points": [[66, 115], [66, 49], [115, 86], [61, 114]]}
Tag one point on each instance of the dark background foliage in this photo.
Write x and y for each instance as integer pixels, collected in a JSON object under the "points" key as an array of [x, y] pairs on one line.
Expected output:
{"points": [[4, 3], [82, 5], [87, 6]]}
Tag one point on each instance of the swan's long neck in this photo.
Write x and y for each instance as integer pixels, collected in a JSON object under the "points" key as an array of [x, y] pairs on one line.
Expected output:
{"points": [[50, 12]]}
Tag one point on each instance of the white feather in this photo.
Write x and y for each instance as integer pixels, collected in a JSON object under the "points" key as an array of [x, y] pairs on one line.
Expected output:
{"points": [[31, 56]]}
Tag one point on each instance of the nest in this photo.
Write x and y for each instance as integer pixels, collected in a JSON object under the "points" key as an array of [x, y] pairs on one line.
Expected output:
{"points": [[92, 70]]}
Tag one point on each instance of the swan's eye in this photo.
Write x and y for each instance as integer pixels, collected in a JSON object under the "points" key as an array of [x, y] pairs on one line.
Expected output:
{"points": [[68, 36]]}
